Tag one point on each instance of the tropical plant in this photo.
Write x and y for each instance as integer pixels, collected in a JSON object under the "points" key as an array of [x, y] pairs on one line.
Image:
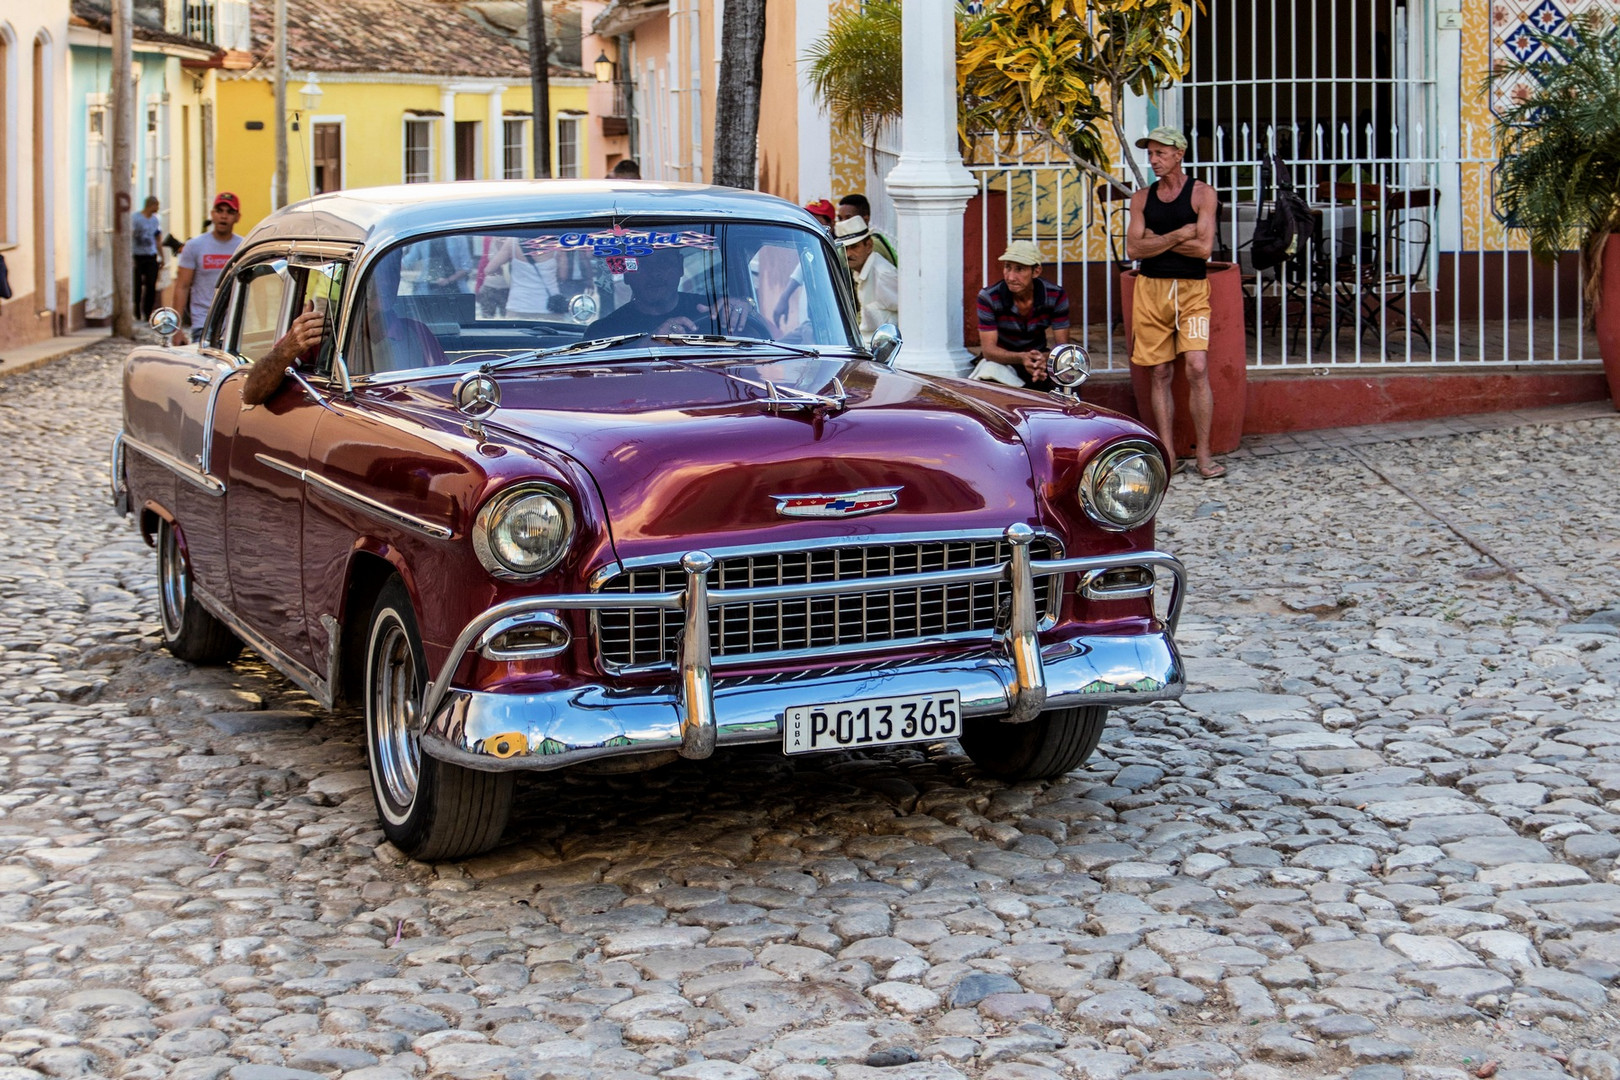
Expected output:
{"points": [[1061, 68], [855, 67], [1560, 144]]}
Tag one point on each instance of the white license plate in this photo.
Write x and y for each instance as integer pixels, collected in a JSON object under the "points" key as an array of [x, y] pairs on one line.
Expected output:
{"points": [[885, 721]]}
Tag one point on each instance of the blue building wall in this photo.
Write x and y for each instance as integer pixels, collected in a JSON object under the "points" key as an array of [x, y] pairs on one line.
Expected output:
{"points": [[91, 73]]}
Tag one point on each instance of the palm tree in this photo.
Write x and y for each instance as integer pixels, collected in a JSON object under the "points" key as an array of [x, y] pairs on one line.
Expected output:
{"points": [[855, 66], [1560, 144]]}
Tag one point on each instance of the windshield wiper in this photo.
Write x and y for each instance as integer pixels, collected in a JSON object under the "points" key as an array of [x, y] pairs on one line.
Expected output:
{"points": [[563, 350], [722, 341]]}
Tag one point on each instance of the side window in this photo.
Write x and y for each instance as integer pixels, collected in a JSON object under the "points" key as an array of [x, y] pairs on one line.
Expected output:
{"points": [[321, 285], [261, 305]]}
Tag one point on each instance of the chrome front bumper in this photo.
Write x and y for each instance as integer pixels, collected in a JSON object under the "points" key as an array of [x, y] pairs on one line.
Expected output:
{"points": [[1016, 679]]}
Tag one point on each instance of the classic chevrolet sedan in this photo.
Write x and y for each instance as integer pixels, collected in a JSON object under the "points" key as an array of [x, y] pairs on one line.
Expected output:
{"points": [[590, 472]]}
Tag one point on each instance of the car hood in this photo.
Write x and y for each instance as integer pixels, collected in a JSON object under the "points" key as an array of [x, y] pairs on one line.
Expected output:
{"points": [[688, 452]]}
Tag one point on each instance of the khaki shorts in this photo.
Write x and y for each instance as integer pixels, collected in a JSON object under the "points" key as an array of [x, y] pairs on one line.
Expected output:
{"points": [[1170, 317]]}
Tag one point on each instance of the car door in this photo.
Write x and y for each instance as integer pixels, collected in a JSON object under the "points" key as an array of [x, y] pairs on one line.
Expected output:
{"points": [[264, 498]]}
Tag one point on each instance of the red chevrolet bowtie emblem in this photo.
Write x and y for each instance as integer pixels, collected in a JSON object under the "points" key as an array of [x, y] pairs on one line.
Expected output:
{"points": [[844, 504]]}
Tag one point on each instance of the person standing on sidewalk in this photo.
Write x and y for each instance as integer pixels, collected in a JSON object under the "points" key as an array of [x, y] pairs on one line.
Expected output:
{"points": [[1171, 233], [148, 256], [201, 262]]}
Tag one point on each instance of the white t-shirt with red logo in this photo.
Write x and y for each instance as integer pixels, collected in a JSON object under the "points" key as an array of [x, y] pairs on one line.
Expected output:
{"points": [[205, 256]]}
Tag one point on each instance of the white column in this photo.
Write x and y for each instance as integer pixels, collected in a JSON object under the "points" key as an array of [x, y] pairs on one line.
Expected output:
{"points": [[930, 189], [447, 134], [1446, 139], [495, 160]]}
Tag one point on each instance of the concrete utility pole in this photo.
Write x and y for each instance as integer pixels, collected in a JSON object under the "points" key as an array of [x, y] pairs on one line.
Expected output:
{"points": [[279, 196], [540, 85], [123, 168]]}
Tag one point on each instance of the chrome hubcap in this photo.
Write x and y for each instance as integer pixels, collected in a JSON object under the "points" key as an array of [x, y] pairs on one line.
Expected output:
{"points": [[394, 709], [173, 574]]}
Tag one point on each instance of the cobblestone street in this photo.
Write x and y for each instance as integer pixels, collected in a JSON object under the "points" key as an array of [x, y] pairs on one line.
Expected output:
{"points": [[1376, 839]]}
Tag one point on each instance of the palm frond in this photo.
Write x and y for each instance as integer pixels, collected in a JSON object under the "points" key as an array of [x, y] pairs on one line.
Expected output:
{"points": [[854, 69], [1559, 141]]}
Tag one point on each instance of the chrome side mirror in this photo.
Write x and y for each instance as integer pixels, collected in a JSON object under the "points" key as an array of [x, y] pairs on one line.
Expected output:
{"points": [[165, 320], [1069, 366], [886, 344]]}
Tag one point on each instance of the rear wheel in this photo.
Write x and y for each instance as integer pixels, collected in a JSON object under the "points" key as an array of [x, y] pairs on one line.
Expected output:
{"points": [[189, 631], [1054, 743], [430, 809]]}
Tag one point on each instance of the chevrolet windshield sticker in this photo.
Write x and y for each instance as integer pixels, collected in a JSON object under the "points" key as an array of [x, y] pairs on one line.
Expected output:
{"points": [[619, 242]]}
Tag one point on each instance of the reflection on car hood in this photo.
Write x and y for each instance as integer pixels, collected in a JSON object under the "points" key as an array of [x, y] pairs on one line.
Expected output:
{"points": [[684, 452]]}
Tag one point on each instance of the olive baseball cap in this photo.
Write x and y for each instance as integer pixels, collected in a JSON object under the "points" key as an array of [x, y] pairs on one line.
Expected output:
{"points": [[1165, 136], [1023, 252]]}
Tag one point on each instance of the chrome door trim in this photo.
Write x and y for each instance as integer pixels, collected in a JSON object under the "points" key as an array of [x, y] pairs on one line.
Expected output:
{"points": [[337, 493], [186, 471], [318, 688]]}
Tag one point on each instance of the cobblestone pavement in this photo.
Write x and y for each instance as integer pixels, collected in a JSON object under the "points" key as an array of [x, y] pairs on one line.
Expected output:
{"points": [[1376, 838]]}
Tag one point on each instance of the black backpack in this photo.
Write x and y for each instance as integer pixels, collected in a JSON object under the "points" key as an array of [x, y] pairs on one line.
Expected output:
{"points": [[1277, 234]]}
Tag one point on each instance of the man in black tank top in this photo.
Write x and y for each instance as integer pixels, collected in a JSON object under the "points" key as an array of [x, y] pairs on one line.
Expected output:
{"points": [[1171, 232]]}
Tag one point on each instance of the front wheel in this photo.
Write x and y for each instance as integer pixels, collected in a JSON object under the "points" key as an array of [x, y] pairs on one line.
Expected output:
{"points": [[1054, 743], [430, 809], [189, 631]]}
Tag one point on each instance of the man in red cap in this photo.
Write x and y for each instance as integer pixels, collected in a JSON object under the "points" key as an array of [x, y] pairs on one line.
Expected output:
{"points": [[823, 211], [201, 261]]}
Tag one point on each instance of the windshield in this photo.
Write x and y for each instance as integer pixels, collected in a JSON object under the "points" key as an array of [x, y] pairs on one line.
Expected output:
{"points": [[473, 296]]}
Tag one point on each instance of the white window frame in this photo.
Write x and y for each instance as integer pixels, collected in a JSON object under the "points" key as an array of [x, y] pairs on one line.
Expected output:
{"points": [[574, 127], [431, 125], [343, 146], [13, 135], [521, 125]]}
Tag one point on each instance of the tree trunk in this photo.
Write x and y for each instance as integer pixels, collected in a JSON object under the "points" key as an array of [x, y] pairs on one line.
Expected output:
{"points": [[540, 84], [736, 106]]}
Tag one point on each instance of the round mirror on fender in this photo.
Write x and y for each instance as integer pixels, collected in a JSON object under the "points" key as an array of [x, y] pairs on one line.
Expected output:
{"points": [[165, 320], [582, 308], [886, 344], [1069, 366]]}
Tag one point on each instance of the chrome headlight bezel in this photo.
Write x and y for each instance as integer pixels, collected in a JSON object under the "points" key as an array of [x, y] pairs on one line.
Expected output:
{"points": [[496, 512], [1103, 465]]}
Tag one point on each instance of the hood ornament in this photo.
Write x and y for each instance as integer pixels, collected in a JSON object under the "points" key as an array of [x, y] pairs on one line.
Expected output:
{"points": [[477, 395], [842, 505]]}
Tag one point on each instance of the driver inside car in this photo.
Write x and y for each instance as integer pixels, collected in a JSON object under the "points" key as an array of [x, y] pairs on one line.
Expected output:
{"points": [[657, 305]]}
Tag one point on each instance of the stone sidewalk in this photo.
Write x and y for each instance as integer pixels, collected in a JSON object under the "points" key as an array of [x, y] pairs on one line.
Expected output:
{"points": [[1377, 839]]}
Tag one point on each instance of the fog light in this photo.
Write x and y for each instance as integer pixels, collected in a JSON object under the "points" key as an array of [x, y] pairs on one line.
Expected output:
{"points": [[1117, 583], [524, 637]]}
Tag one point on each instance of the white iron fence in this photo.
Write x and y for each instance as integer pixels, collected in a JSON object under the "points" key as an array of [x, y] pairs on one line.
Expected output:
{"points": [[1407, 262]]}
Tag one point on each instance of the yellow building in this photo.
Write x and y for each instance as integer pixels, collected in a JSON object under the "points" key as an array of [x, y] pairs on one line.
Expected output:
{"points": [[388, 92]]}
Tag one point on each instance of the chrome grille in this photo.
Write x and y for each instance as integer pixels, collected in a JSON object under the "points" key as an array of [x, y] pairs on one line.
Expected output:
{"points": [[640, 638]]}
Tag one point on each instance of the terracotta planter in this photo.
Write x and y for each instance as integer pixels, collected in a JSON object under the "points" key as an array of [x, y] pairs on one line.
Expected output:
{"points": [[1607, 318], [1228, 364]]}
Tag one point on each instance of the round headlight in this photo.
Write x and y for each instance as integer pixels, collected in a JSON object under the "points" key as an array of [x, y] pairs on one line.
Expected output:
{"points": [[1122, 486], [523, 531]]}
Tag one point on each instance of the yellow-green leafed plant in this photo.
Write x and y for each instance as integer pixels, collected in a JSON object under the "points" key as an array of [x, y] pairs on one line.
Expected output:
{"points": [[1060, 69]]}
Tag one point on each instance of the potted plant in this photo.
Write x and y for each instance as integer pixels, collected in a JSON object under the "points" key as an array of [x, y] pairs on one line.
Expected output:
{"points": [[1560, 163]]}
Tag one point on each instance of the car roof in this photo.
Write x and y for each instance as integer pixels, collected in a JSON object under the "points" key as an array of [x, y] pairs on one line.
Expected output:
{"points": [[380, 215]]}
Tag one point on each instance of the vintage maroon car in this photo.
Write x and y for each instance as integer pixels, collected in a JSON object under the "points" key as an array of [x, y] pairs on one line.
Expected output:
{"points": [[588, 470]]}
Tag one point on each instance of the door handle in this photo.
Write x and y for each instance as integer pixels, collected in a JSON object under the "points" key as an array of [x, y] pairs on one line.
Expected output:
{"points": [[200, 378]]}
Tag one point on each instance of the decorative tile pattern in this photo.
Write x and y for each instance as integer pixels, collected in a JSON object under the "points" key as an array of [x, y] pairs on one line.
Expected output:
{"points": [[1516, 26]]}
